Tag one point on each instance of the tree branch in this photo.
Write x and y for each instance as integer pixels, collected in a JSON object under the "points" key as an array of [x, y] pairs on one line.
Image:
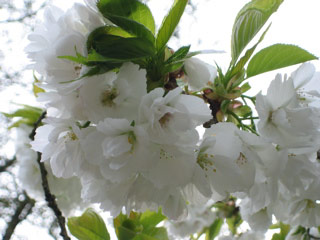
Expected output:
{"points": [[7, 163], [311, 236], [19, 216], [22, 18], [50, 198]]}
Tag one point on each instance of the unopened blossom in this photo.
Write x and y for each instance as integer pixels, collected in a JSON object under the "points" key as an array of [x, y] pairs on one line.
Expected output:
{"points": [[199, 73]]}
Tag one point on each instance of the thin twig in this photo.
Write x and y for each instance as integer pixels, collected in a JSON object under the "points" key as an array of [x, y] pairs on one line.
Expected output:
{"points": [[7, 163], [24, 206], [311, 236], [50, 198], [22, 18]]}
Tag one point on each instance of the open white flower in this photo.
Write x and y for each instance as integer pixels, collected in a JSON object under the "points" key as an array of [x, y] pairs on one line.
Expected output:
{"points": [[306, 83], [122, 150], [284, 121], [135, 193], [173, 117], [58, 141], [199, 216], [300, 209], [67, 191], [114, 95], [59, 35], [226, 159]]}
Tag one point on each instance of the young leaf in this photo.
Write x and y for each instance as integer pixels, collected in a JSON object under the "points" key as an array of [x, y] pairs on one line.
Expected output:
{"points": [[89, 226], [284, 230], [131, 15], [170, 23], [277, 56], [214, 229], [242, 62], [172, 67], [125, 233], [131, 9], [24, 121], [140, 226], [27, 112], [35, 88], [124, 49], [180, 54], [151, 219], [249, 21], [159, 233], [133, 27]]}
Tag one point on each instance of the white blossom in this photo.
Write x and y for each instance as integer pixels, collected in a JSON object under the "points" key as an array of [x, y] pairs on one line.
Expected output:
{"points": [[199, 73], [114, 95], [286, 123], [66, 191], [58, 141]]}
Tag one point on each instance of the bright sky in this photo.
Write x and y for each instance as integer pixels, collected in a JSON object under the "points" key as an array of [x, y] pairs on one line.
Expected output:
{"points": [[296, 22]]}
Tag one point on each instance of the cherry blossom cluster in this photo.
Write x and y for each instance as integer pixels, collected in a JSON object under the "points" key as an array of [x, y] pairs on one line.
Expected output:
{"points": [[138, 149]]}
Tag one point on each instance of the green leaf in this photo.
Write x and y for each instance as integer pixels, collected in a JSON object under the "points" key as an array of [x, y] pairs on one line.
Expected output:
{"points": [[35, 88], [81, 60], [249, 21], [235, 221], [170, 23], [24, 121], [176, 60], [140, 226], [124, 49], [89, 226], [96, 59], [179, 55], [242, 62], [300, 231], [131, 15], [151, 219], [214, 229], [133, 27], [131, 9], [100, 69], [29, 113], [284, 230], [154, 233], [245, 87], [243, 111], [125, 233], [172, 67], [277, 56], [224, 105]]}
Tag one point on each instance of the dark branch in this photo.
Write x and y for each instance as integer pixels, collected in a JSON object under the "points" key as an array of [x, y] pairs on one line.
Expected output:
{"points": [[36, 125], [214, 107], [7, 163], [311, 236], [50, 198], [23, 210]]}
